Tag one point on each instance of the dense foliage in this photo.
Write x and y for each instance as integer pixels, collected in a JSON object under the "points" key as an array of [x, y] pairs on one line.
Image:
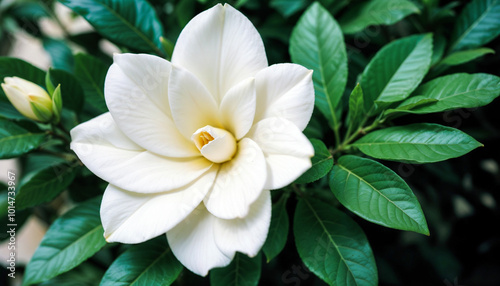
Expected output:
{"points": [[399, 89]]}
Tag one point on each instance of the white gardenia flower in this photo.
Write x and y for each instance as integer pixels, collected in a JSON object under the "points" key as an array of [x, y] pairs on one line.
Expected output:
{"points": [[192, 147]]}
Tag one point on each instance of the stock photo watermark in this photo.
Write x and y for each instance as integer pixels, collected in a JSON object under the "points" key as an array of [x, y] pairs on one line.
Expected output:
{"points": [[11, 223]]}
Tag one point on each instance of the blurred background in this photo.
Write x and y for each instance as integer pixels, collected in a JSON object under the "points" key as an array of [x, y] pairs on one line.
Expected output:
{"points": [[459, 197]]}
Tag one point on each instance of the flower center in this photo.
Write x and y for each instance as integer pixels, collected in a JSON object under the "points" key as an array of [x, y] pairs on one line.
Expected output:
{"points": [[215, 144]]}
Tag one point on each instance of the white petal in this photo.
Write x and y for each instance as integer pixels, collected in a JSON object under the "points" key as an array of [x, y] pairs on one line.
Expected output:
{"points": [[193, 243], [286, 149], [26, 86], [248, 234], [136, 91], [239, 182], [129, 217], [237, 108], [287, 91], [109, 154], [221, 47], [191, 104]]}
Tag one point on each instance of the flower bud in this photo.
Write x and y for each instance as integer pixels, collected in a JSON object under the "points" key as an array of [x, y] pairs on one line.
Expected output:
{"points": [[28, 98]]}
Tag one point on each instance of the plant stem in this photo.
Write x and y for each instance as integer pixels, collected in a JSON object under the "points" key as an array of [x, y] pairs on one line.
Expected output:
{"points": [[336, 129], [66, 156], [55, 134], [361, 131]]}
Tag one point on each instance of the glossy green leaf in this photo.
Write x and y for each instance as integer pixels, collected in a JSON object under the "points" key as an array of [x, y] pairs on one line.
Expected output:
{"points": [[131, 23], [459, 90], [148, 263], [91, 73], [314, 128], [16, 141], [19, 219], [288, 7], [22, 69], [438, 48], [462, 57], [322, 163], [318, 44], [71, 90], [356, 107], [396, 70], [243, 271], [70, 240], [36, 162], [376, 12], [44, 185], [60, 53], [28, 10], [278, 230], [10, 67], [477, 25], [377, 194], [332, 245], [458, 58], [410, 104], [417, 143], [8, 111], [8, 213], [86, 274]]}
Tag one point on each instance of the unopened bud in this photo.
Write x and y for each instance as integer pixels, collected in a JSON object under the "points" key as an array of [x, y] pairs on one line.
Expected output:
{"points": [[28, 98]]}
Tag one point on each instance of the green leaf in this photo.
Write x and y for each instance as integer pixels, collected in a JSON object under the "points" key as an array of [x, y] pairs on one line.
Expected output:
{"points": [[17, 67], [168, 47], [318, 44], [131, 23], [7, 206], [243, 271], [322, 163], [459, 90], [70, 240], [45, 185], [410, 104], [71, 91], [22, 69], [278, 230], [8, 111], [184, 12], [86, 274], [438, 48], [332, 245], [60, 53], [417, 143], [375, 12], [28, 10], [356, 107], [461, 57], [16, 141], [396, 70], [377, 194], [91, 73], [48, 84], [314, 128], [288, 7], [149, 263], [57, 104], [477, 25], [36, 162]]}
